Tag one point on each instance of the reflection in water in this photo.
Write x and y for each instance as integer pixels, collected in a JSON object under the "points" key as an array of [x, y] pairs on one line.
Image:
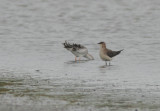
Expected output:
{"points": [[105, 68], [109, 66], [76, 62]]}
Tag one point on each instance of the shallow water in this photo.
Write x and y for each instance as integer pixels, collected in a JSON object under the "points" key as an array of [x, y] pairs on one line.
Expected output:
{"points": [[37, 73]]}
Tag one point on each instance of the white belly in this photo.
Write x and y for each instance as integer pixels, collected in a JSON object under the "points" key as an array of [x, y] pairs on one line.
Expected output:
{"points": [[80, 53], [104, 56], [77, 54]]}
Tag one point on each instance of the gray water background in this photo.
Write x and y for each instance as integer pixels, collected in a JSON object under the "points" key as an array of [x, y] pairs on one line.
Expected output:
{"points": [[38, 74]]}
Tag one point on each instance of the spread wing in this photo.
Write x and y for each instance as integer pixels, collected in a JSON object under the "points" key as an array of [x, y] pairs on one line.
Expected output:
{"points": [[68, 45], [75, 47], [111, 53]]}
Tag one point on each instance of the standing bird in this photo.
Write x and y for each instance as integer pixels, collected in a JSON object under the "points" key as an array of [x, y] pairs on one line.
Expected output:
{"points": [[78, 50], [107, 54]]}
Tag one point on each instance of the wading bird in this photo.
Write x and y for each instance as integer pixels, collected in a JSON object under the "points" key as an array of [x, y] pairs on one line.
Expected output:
{"points": [[107, 54], [78, 50]]}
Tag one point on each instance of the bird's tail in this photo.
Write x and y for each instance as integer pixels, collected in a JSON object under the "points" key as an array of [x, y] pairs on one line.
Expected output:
{"points": [[90, 57], [119, 51]]}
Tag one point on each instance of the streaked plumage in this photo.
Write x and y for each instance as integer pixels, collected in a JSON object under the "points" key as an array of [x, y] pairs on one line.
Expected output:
{"points": [[78, 50], [107, 54]]}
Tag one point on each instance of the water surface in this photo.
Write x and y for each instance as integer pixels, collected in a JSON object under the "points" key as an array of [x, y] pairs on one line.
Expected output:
{"points": [[37, 73]]}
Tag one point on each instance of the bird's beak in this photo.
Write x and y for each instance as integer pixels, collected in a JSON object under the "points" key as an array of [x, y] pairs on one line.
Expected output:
{"points": [[99, 43]]}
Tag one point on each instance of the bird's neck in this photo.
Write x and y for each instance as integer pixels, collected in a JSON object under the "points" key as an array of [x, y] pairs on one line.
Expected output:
{"points": [[103, 47]]}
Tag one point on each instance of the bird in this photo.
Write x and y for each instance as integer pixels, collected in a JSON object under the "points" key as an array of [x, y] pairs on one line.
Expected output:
{"points": [[78, 50], [107, 54]]}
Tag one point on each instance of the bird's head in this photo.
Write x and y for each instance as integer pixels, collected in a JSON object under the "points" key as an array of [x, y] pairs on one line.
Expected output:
{"points": [[102, 44]]}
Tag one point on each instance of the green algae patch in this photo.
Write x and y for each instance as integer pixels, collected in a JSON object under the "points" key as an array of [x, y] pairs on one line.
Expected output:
{"points": [[4, 90], [5, 84], [10, 82]]}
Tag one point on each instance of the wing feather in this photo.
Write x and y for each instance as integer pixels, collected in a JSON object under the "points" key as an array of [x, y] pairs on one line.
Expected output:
{"points": [[111, 53]]}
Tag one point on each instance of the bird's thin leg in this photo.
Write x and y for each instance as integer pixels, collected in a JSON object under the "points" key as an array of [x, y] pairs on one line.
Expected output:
{"points": [[106, 63], [109, 63], [75, 58]]}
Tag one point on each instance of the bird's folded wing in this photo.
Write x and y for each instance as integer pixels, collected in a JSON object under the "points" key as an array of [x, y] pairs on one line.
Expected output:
{"points": [[111, 53]]}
